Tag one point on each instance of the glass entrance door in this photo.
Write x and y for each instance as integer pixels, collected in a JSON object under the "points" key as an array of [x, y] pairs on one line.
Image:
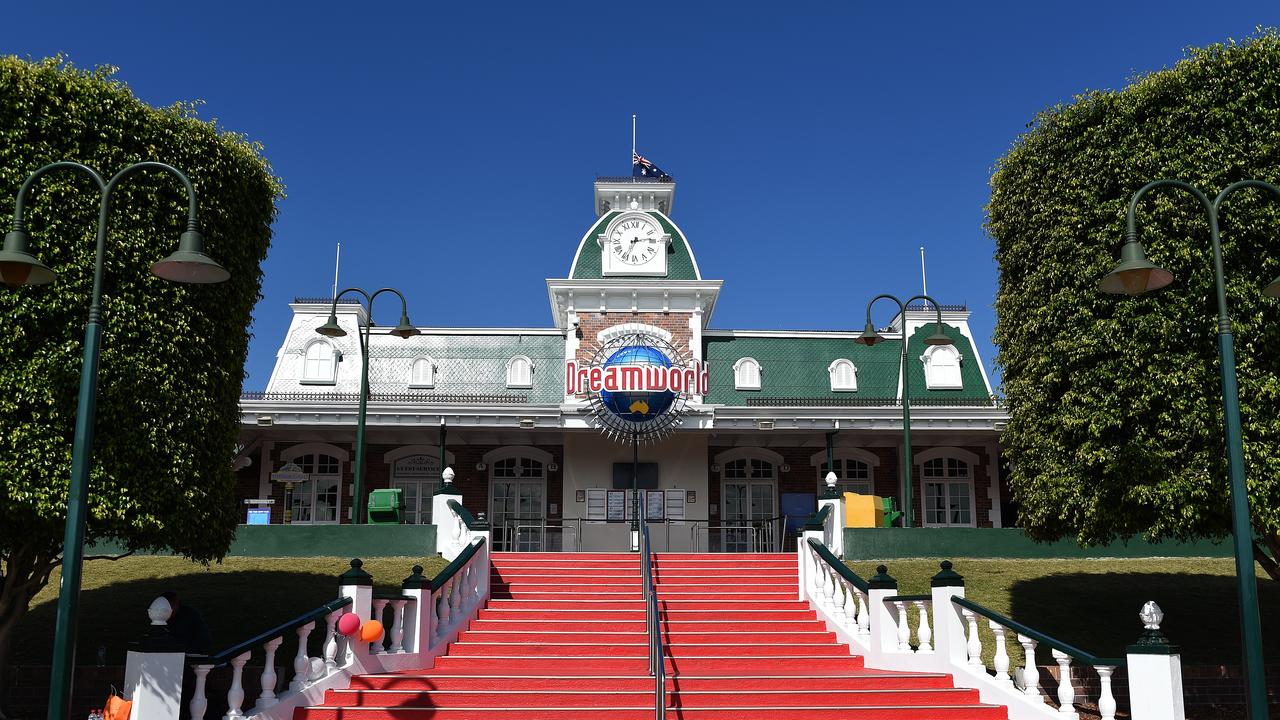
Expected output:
{"points": [[518, 512], [749, 506]]}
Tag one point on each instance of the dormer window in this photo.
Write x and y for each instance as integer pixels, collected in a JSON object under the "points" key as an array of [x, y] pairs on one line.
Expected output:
{"points": [[319, 364], [423, 374], [844, 376], [746, 374], [520, 372], [942, 368]]}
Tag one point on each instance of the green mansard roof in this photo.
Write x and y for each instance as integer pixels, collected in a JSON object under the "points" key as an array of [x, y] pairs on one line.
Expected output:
{"points": [[471, 364], [680, 265]]}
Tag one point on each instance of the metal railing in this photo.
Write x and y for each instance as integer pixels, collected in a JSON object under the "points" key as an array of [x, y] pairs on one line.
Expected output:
{"points": [[517, 530], [873, 402], [452, 399], [764, 535], [657, 660]]}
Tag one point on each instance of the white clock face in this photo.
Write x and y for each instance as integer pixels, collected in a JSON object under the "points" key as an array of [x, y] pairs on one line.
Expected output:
{"points": [[635, 241]]}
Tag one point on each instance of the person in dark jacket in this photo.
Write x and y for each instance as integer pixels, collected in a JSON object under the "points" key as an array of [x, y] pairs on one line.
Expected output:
{"points": [[188, 626]]}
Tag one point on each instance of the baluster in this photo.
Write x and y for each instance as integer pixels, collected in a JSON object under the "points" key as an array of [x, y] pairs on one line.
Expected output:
{"points": [[235, 695], [924, 632], [331, 641], [1066, 692], [817, 574], [433, 608], [455, 598], [974, 646], [301, 663], [1002, 654], [199, 703], [849, 608], [864, 615], [828, 588], [904, 626], [379, 605], [444, 611], [267, 683], [1030, 674], [1106, 701], [397, 631]]}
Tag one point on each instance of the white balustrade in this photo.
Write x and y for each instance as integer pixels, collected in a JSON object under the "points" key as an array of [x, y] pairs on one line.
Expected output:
{"points": [[235, 694], [1001, 660], [267, 682], [302, 663], [379, 605], [1106, 700], [397, 630], [1066, 692], [974, 645], [904, 626], [924, 632], [199, 702], [331, 640], [1030, 674]]}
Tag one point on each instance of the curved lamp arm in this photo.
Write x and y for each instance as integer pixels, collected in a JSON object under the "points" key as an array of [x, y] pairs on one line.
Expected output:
{"points": [[19, 205], [932, 302], [902, 308], [125, 174]]}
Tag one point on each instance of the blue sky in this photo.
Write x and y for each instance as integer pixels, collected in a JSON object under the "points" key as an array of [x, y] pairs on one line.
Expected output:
{"points": [[450, 147]]}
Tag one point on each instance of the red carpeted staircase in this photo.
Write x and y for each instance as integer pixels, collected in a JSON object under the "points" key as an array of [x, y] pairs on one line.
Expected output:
{"points": [[563, 637]]}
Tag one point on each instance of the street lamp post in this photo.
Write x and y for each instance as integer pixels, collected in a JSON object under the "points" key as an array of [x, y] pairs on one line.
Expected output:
{"points": [[870, 337], [1136, 275], [18, 267], [332, 329]]}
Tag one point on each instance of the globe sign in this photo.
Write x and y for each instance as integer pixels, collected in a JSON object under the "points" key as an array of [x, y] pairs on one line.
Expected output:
{"points": [[637, 405]]}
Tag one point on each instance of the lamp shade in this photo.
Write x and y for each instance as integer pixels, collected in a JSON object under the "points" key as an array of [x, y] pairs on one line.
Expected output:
{"points": [[189, 264], [405, 329], [1135, 274], [331, 328], [938, 338], [869, 335], [18, 267], [1272, 290]]}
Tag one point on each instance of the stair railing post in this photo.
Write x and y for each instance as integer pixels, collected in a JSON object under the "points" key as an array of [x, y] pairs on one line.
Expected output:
{"points": [[357, 584], [448, 525], [884, 624], [417, 626], [949, 641], [834, 530], [153, 668], [1155, 672]]}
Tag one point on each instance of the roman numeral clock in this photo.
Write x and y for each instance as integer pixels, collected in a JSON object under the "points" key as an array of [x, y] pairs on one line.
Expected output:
{"points": [[634, 243]]}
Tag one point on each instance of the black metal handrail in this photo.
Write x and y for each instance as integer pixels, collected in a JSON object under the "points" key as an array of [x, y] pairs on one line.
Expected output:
{"points": [[841, 569], [818, 520], [1056, 644], [324, 300], [909, 598], [467, 518], [456, 399], [457, 564], [222, 658], [631, 179], [657, 659]]}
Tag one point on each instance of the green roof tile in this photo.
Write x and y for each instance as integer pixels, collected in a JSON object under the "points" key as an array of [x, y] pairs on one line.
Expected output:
{"points": [[471, 364], [970, 368], [797, 367], [679, 259]]}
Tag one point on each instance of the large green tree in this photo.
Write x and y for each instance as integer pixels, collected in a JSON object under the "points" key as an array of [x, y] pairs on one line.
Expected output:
{"points": [[1115, 406], [172, 354]]}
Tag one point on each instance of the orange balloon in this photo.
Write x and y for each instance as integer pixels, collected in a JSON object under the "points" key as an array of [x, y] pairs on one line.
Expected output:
{"points": [[371, 631]]}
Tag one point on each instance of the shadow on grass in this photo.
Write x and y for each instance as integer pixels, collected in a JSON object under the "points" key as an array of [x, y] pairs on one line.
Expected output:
{"points": [[1098, 612]]}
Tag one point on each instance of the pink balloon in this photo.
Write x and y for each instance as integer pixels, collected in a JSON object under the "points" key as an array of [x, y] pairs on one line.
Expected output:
{"points": [[349, 624]]}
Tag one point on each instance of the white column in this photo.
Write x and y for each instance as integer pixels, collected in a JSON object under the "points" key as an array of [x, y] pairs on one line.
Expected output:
{"points": [[153, 671], [447, 522], [1155, 672], [884, 626], [357, 585], [835, 520], [417, 629]]}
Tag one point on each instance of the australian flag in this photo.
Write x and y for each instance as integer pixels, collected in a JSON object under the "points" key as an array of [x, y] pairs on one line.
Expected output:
{"points": [[640, 167]]}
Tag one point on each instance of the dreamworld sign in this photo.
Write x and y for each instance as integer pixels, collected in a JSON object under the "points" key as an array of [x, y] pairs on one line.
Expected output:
{"points": [[636, 377]]}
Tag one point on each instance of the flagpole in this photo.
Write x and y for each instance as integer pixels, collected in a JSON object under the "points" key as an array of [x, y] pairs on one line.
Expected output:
{"points": [[337, 259], [924, 284], [633, 134]]}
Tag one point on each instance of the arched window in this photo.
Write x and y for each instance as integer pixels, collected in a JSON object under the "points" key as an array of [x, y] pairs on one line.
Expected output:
{"points": [[520, 372], [854, 469], [317, 500], [948, 492], [942, 368], [518, 497], [423, 374], [319, 363], [844, 376], [746, 374]]}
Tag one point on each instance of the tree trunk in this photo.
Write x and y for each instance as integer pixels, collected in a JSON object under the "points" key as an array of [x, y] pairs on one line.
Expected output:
{"points": [[1268, 562], [26, 572]]}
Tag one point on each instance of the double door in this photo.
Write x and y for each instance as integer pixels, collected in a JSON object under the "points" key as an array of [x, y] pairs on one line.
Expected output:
{"points": [[518, 515], [749, 515]]}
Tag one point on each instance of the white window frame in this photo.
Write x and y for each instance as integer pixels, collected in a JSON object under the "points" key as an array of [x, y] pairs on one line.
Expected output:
{"points": [[844, 455], [947, 482], [933, 375], [513, 380], [334, 358], [311, 493], [429, 381], [741, 381], [833, 370]]}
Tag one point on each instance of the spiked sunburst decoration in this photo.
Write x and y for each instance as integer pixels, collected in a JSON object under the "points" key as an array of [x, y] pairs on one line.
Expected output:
{"points": [[638, 385]]}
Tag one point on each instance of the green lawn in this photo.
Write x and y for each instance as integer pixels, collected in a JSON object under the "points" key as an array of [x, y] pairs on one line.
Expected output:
{"points": [[238, 598], [1094, 604]]}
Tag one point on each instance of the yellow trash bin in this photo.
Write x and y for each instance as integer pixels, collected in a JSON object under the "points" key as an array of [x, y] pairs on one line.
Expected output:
{"points": [[863, 511]]}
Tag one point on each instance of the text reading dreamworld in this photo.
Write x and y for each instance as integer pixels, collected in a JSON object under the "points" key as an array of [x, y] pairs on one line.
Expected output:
{"points": [[690, 380]]}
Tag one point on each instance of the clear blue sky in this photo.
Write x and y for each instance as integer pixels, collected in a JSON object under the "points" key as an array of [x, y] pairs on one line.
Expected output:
{"points": [[450, 147]]}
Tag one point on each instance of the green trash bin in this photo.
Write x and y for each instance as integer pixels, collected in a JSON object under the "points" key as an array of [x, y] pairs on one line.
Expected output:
{"points": [[890, 515], [386, 507]]}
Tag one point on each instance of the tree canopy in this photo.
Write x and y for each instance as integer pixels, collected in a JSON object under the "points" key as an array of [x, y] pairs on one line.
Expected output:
{"points": [[172, 354], [1116, 412]]}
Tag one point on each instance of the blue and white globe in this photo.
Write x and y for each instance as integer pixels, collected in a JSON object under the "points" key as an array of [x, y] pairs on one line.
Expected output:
{"points": [[637, 406]]}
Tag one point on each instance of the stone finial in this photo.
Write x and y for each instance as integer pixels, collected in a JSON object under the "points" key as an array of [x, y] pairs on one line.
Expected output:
{"points": [[1151, 615], [947, 577], [447, 476], [160, 611], [356, 575], [882, 580], [831, 480], [416, 580]]}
